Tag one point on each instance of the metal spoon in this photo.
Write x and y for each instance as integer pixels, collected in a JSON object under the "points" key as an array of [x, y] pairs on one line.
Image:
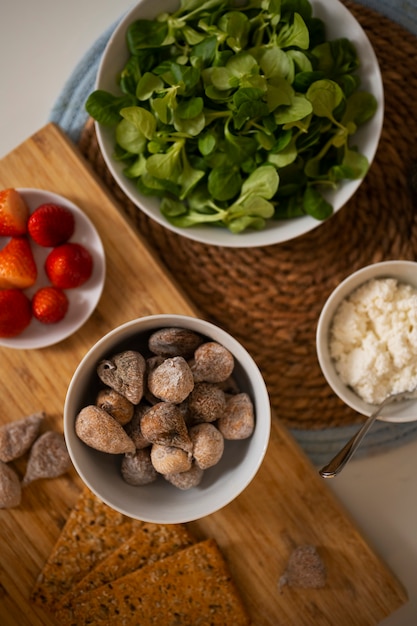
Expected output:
{"points": [[339, 461]]}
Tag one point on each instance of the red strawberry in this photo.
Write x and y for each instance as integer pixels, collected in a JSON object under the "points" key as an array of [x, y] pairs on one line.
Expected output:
{"points": [[17, 265], [15, 312], [51, 225], [69, 265], [49, 305], [14, 213]]}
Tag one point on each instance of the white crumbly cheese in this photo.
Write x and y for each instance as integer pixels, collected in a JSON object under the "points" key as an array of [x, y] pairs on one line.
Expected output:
{"points": [[373, 339]]}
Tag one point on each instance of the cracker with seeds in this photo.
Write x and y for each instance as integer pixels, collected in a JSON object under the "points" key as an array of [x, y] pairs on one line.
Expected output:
{"points": [[192, 587], [149, 544], [92, 531]]}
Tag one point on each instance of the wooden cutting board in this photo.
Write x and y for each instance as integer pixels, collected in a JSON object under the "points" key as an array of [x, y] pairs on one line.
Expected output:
{"points": [[286, 505]]}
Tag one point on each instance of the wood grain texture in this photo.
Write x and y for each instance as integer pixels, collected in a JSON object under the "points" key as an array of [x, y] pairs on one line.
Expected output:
{"points": [[286, 505]]}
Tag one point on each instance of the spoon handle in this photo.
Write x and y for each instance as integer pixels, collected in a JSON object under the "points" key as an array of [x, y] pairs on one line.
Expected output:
{"points": [[339, 461]]}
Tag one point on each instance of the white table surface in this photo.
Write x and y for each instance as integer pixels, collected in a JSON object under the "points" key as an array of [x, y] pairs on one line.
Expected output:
{"points": [[40, 43]]}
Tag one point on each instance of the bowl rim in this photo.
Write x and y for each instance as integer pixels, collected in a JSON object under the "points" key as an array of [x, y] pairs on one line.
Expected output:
{"points": [[277, 231], [402, 270], [108, 343]]}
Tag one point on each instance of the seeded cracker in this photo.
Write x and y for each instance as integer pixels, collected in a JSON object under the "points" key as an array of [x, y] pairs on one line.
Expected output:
{"points": [[149, 544], [91, 532], [190, 588]]}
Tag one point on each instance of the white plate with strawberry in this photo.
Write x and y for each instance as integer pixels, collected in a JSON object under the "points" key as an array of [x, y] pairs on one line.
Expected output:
{"points": [[52, 268]]}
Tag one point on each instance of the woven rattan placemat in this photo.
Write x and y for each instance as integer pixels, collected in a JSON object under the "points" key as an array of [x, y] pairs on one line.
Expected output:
{"points": [[270, 298]]}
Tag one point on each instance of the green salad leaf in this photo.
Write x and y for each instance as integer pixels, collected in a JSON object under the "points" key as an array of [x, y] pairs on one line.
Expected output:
{"points": [[237, 113]]}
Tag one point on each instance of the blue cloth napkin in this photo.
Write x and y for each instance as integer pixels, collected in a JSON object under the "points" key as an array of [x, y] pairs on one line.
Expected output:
{"points": [[69, 113]]}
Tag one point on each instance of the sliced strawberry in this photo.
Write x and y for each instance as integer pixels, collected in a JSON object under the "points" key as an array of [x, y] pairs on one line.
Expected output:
{"points": [[49, 305], [51, 225], [17, 265], [15, 312], [69, 265], [14, 213]]}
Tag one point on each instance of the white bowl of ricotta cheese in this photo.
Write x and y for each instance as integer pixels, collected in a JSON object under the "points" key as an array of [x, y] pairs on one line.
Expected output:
{"points": [[367, 338]]}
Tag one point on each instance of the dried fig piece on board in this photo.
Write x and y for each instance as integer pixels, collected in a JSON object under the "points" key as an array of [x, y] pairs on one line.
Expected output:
{"points": [[305, 569], [125, 373], [17, 437], [10, 489], [48, 458]]}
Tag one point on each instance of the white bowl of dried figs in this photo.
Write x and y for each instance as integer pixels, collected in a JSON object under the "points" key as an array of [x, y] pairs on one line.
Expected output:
{"points": [[167, 418]]}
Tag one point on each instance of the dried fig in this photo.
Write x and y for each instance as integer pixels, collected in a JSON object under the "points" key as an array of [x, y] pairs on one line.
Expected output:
{"points": [[305, 569], [208, 444], [138, 469], [10, 489], [169, 342], [17, 437], [99, 430], [125, 373], [206, 403], [48, 458], [115, 405], [169, 460], [213, 363], [151, 363], [164, 424], [188, 479], [133, 428], [238, 421], [172, 381]]}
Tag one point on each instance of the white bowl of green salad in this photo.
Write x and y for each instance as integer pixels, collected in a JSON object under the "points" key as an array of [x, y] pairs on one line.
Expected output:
{"points": [[238, 123]]}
